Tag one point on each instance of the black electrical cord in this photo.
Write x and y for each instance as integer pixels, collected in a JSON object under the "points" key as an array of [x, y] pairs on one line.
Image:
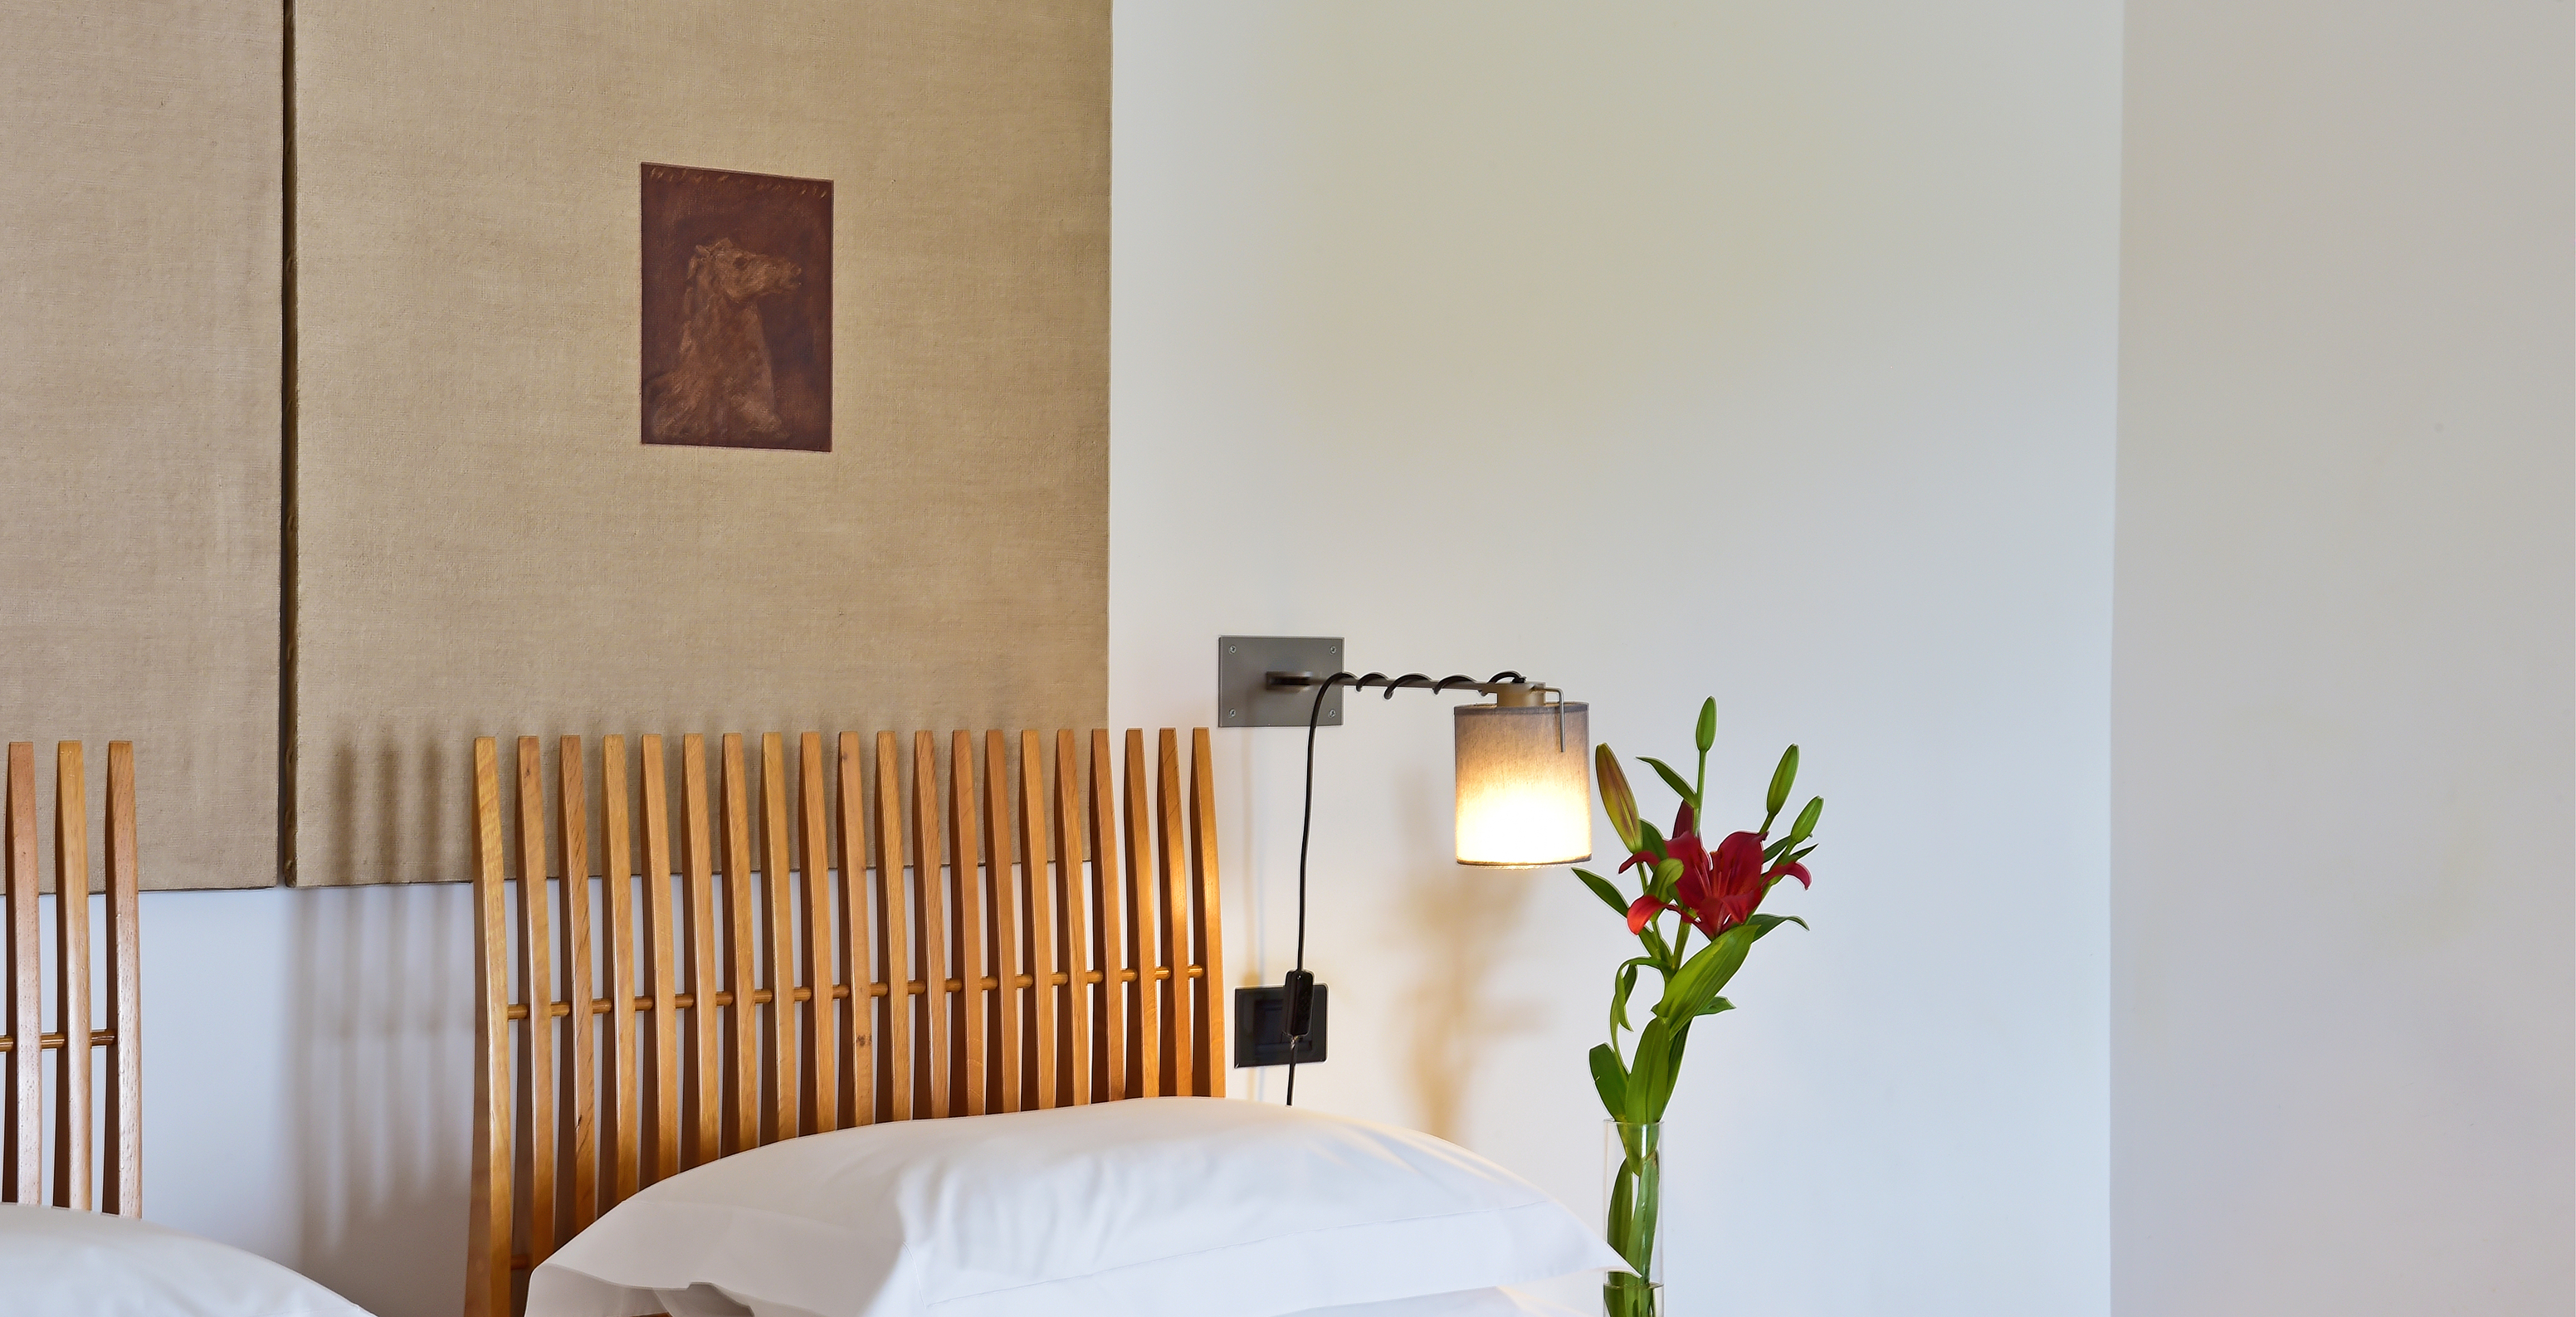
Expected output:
{"points": [[1301, 985]]}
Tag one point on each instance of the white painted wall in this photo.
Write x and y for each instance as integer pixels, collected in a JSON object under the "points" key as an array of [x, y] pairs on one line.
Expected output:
{"points": [[2343, 996], [1762, 350], [308, 1081]]}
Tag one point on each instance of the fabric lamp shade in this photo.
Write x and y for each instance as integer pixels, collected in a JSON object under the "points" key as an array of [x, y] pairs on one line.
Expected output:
{"points": [[1524, 784]]}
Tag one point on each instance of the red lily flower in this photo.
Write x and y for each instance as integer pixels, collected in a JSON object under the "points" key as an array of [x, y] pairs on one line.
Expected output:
{"points": [[1714, 892]]}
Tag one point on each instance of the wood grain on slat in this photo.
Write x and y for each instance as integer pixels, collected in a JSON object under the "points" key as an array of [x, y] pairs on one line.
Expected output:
{"points": [[778, 916], [822, 1029], [1036, 853], [538, 1090], [581, 1041], [537, 986], [966, 881], [894, 937], [661, 950], [926, 854], [1069, 855], [741, 958], [22, 1158], [1005, 903], [698, 925], [71, 976], [1210, 988], [122, 1190], [1172, 832], [856, 941], [1143, 931], [1109, 899], [487, 1287], [617, 963]]}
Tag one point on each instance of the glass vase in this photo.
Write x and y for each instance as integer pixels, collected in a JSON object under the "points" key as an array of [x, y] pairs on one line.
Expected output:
{"points": [[1632, 1174]]}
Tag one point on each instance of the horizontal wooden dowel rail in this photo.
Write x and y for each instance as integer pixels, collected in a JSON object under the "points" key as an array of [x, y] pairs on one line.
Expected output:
{"points": [[861, 937], [761, 996], [51, 1041]]}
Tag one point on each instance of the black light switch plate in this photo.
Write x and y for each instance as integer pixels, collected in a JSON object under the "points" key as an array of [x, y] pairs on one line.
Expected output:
{"points": [[1261, 1028]]}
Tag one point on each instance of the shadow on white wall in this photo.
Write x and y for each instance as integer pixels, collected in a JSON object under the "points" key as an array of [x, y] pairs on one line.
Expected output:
{"points": [[383, 1062]]}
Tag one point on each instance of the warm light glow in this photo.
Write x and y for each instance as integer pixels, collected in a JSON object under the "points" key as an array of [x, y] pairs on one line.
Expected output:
{"points": [[1524, 798]]}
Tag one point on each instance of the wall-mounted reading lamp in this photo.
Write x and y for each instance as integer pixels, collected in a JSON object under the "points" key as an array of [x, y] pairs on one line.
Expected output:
{"points": [[1524, 793]]}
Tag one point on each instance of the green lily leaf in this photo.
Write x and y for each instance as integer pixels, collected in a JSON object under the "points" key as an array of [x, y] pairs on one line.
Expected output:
{"points": [[1672, 779], [1706, 736], [1603, 888], [1801, 853], [1611, 1080], [1672, 1070], [1716, 1004], [1765, 923], [1782, 778], [1619, 995], [1650, 1083], [1709, 969]]}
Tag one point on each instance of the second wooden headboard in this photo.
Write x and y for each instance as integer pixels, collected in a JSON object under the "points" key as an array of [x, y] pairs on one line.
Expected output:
{"points": [[732, 1000]]}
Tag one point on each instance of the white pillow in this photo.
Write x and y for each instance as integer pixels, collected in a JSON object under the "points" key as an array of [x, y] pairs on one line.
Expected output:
{"points": [[703, 1300], [1155, 1207], [54, 1260], [1501, 1301]]}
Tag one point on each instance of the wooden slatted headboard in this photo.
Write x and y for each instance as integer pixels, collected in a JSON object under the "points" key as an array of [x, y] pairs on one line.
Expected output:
{"points": [[726, 977], [23, 1040]]}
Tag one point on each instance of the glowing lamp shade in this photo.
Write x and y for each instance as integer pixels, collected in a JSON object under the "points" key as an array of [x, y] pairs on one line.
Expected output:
{"points": [[1524, 794]]}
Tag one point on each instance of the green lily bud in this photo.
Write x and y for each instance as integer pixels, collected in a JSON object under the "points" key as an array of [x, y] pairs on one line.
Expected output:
{"points": [[1616, 799]]}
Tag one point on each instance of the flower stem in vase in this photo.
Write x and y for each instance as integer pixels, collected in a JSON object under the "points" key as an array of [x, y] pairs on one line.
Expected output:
{"points": [[1633, 1154]]}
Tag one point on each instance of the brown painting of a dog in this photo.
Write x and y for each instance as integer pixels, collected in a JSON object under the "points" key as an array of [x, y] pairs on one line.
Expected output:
{"points": [[737, 309]]}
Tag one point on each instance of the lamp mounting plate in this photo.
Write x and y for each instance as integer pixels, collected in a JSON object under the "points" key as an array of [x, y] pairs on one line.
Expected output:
{"points": [[1246, 698]]}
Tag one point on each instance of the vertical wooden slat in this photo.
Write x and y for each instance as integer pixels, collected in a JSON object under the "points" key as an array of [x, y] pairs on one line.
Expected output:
{"points": [[778, 915], [1212, 994], [697, 924], [537, 987], [741, 974], [487, 1265], [854, 934], [1035, 853], [617, 879], [1006, 917], [1109, 898], [966, 875], [664, 970], [1175, 862], [122, 1192], [580, 1033], [1069, 855], [1143, 935], [21, 1159], [822, 1069], [71, 976], [926, 852], [895, 936]]}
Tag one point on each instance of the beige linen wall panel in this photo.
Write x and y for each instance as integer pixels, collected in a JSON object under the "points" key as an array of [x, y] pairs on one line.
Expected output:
{"points": [[486, 546], [139, 402]]}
